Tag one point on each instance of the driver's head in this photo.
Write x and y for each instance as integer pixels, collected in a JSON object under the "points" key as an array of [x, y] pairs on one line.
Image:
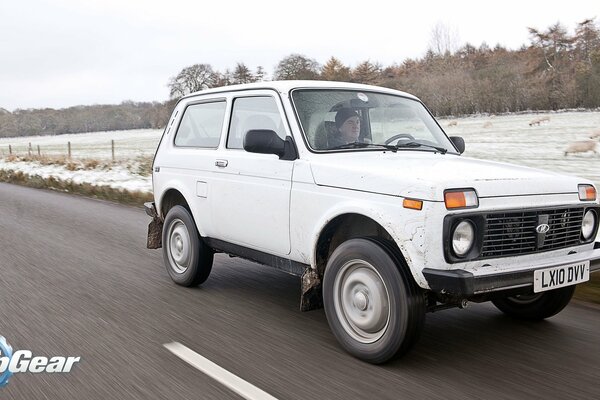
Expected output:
{"points": [[348, 124]]}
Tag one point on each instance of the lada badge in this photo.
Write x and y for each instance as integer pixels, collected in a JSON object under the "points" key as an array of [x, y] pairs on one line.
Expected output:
{"points": [[542, 228]]}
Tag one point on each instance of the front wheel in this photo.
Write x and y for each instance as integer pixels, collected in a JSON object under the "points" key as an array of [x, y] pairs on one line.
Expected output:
{"points": [[373, 306], [188, 260], [535, 306]]}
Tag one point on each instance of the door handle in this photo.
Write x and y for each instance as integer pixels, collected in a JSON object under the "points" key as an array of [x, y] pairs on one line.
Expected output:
{"points": [[221, 163]]}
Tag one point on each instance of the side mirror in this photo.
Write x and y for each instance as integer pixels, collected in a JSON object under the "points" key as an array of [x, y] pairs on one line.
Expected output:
{"points": [[266, 141], [459, 143]]}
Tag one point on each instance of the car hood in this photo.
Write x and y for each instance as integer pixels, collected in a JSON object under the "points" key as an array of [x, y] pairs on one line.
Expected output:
{"points": [[425, 175]]}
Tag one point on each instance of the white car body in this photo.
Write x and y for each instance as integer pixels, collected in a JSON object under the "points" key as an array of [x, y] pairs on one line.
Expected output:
{"points": [[281, 207], [368, 227]]}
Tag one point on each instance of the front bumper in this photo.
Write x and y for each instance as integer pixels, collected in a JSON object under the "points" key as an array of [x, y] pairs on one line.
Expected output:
{"points": [[464, 284]]}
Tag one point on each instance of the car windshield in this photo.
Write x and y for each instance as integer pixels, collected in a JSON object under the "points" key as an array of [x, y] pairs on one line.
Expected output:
{"points": [[334, 120]]}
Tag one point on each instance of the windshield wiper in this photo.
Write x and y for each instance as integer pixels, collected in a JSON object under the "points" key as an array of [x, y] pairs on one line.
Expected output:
{"points": [[394, 147], [360, 145], [417, 144]]}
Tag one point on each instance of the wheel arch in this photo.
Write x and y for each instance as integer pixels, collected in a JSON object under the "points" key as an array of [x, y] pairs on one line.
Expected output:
{"points": [[174, 196], [170, 198], [348, 225]]}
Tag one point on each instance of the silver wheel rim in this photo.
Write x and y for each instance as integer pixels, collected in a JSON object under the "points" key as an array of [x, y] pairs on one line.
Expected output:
{"points": [[525, 298], [179, 246], [361, 301]]}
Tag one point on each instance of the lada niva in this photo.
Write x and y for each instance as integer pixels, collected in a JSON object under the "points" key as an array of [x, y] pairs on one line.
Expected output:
{"points": [[358, 190]]}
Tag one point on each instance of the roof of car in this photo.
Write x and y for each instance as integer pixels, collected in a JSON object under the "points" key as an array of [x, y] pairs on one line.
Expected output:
{"points": [[287, 86]]}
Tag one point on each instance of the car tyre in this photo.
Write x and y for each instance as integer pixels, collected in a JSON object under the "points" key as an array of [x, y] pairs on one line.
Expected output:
{"points": [[535, 306], [187, 258], [373, 306]]}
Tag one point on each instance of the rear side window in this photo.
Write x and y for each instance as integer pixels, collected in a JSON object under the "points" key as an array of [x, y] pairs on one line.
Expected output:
{"points": [[201, 125], [253, 113]]}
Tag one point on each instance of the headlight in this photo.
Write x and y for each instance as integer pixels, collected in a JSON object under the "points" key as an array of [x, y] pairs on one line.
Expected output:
{"points": [[463, 238], [588, 225]]}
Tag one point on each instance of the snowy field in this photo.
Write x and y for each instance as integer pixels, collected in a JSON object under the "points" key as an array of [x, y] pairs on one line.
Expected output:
{"points": [[96, 145], [507, 138]]}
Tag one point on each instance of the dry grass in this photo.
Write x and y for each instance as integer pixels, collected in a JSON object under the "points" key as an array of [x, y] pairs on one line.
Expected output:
{"points": [[85, 189], [85, 164], [142, 165], [91, 163]]}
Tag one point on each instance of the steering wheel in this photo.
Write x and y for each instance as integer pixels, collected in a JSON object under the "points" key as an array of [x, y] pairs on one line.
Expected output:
{"points": [[399, 136]]}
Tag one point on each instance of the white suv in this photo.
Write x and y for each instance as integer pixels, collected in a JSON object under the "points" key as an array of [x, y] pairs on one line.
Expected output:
{"points": [[358, 190]]}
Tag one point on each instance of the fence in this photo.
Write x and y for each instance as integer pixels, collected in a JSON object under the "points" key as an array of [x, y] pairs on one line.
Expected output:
{"points": [[82, 150]]}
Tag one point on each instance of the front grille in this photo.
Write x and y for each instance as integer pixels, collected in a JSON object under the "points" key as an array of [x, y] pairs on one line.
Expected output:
{"points": [[514, 233]]}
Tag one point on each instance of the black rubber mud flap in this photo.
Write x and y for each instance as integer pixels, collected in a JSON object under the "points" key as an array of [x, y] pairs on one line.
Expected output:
{"points": [[155, 234], [312, 296]]}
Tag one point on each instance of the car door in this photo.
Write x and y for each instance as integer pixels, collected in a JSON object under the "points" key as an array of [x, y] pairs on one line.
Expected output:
{"points": [[187, 161], [250, 193]]}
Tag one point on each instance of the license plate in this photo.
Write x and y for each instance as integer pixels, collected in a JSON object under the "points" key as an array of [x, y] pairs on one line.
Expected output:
{"points": [[557, 277]]}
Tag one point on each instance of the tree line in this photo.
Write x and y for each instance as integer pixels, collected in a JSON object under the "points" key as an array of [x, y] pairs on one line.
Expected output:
{"points": [[78, 119], [555, 70]]}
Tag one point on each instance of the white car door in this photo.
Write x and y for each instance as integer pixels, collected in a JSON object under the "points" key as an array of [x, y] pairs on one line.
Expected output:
{"points": [[250, 192], [187, 160]]}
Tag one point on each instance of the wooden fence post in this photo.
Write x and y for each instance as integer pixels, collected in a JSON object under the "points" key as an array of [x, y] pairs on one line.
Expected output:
{"points": [[69, 148], [39, 153], [29, 149], [112, 146], [10, 149]]}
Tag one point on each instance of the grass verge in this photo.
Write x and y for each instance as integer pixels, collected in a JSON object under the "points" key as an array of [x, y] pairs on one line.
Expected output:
{"points": [[86, 189]]}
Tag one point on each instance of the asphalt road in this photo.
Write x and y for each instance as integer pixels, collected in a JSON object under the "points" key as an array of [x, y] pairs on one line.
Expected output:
{"points": [[77, 280]]}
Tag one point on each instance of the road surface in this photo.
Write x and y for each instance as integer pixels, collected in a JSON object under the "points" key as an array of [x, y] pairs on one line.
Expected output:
{"points": [[77, 280]]}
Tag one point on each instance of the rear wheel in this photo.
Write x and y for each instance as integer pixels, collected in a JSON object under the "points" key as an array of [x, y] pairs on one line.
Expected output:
{"points": [[535, 306], [373, 306], [187, 258]]}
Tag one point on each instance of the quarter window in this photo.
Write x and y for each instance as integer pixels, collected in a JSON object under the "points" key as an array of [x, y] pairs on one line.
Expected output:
{"points": [[201, 125], [253, 113]]}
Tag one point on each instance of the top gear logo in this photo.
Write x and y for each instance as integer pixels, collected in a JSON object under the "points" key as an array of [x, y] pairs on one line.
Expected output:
{"points": [[6, 351], [24, 361]]}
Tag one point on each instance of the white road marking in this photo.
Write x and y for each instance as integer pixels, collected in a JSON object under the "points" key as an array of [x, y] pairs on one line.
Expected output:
{"points": [[233, 382]]}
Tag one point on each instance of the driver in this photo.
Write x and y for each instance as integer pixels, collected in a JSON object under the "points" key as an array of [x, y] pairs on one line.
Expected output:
{"points": [[347, 124]]}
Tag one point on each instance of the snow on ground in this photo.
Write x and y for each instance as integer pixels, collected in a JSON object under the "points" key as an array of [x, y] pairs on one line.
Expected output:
{"points": [[118, 177], [507, 138], [128, 144]]}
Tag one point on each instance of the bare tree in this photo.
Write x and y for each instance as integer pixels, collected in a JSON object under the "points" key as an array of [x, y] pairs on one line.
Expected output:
{"points": [[192, 79], [242, 74], [260, 74], [444, 40], [587, 40], [555, 44], [297, 66], [223, 79]]}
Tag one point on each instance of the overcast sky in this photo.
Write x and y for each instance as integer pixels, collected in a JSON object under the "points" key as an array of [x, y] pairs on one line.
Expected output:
{"points": [[60, 53]]}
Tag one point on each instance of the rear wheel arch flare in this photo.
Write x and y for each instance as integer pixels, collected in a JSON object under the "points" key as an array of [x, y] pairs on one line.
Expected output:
{"points": [[171, 198]]}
